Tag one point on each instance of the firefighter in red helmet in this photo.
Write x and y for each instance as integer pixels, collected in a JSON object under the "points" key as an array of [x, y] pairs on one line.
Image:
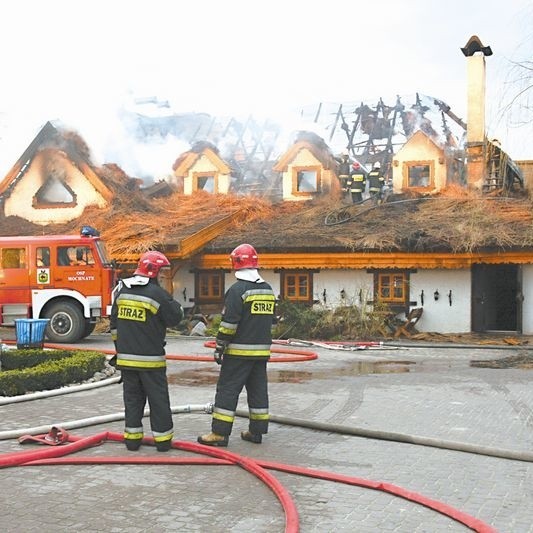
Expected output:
{"points": [[242, 349], [357, 183], [141, 313]]}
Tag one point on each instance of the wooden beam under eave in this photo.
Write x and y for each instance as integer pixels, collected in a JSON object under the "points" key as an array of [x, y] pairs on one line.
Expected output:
{"points": [[348, 260], [192, 244]]}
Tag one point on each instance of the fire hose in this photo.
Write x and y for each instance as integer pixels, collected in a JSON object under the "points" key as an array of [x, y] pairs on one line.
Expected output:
{"points": [[56, 456], [24, 458]]}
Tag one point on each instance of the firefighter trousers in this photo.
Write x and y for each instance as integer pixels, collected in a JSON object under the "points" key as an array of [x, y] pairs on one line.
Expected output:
{"points": [[236, 374], [151, 385]]}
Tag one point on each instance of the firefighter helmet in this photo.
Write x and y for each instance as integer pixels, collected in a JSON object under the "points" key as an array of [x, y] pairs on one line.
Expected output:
{"points": [[356, 166], [377, 164], [244, 256], [150, 263]]}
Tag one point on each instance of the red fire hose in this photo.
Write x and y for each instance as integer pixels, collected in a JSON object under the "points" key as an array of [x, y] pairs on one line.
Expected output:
{"points": [[55, 455], [291, 356]]}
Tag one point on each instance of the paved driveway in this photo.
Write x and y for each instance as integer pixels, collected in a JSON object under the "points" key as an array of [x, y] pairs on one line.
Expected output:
{"points": [[423, 392]]}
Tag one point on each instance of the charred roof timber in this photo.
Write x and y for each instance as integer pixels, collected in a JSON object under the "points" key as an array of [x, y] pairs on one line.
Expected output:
{"points": [[474, 45]]}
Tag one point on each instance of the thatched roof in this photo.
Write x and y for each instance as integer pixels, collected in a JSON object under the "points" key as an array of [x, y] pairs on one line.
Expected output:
{"points": [[134, 223], [453, 221]]}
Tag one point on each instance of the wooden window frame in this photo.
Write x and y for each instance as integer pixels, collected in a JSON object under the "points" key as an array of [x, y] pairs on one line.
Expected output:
{"points": [[313, 168], [409, 164], [198, 175], [286, 275], [211, 297], [400, 303]]}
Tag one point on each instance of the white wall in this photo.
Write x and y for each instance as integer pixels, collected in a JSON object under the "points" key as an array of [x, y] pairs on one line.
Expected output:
{"points": [[355, 283], [439, 315], [184, 279]]}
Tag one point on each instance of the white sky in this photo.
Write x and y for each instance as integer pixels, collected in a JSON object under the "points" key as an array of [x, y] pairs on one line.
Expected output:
{"points": [[79, 61]]}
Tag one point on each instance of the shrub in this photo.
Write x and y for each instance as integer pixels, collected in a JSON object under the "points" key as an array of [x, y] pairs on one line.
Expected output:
{"points": [[349, 322], [34, 370]]}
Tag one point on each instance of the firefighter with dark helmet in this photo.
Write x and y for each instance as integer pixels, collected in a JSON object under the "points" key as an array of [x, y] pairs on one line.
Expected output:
{"points": [[141, 313], [242, 349], [343, 170]]}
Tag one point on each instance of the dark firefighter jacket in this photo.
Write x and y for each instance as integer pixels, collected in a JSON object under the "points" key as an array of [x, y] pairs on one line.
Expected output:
{"points": [[357, 181], [141, 312], [375, 181], [247, 319]]}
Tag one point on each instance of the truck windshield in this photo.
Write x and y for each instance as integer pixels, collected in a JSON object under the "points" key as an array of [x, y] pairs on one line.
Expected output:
{"points": [[102, 252]]}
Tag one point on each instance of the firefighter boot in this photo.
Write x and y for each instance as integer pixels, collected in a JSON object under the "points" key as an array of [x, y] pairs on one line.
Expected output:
{"points": [[133, 444], [163, 446], [256, 438], [214, 440]]}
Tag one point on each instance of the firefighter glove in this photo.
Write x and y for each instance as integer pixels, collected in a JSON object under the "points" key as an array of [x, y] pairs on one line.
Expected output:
{"points": [[219, 351]]}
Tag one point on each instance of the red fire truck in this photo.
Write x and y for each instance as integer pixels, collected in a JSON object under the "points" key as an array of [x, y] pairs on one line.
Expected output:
{"points": [[65, 278]]}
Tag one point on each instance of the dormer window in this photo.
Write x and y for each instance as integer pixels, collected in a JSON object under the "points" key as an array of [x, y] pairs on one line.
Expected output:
{"points": [[54, 193], [419, 175], [306, 180], [205, 181]]}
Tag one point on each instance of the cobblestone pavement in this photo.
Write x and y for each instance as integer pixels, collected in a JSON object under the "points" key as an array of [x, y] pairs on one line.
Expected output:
{"points": [[427, 391]]}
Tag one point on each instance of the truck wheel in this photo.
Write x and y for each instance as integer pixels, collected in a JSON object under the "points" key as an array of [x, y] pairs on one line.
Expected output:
{"points": [[67, 322], [89, 328]]}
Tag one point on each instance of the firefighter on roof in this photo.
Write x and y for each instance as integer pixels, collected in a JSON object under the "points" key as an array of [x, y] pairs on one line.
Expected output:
{"points": [[357, 183], [243, 349], [344, 170], [376, 181], [141, 313]]}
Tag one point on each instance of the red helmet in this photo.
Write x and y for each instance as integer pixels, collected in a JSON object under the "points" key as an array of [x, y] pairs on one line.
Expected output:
{"points": [[244, 256], [356, 166], [150, 263]]}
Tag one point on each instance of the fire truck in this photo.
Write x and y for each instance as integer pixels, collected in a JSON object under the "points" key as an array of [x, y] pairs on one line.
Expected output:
{"points": [[67, 279]]}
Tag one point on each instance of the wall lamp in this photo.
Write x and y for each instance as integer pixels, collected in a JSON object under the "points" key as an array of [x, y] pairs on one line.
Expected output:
{"points": [[436, 295]]}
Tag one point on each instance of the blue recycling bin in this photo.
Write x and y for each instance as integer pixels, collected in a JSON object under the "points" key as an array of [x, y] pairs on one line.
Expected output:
{"points": [[30, 332]]}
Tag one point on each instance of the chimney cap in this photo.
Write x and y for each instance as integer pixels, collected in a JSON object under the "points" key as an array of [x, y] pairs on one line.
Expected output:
{"points": [[474, 45]]}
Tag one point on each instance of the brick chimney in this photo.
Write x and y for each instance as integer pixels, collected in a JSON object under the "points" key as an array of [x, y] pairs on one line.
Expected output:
{"points": [[475, 54]]}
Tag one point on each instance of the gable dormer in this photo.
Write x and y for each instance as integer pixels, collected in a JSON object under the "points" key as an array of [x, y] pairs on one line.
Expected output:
{"points": [[306, 169], [51, 182], [419, 165], [203, 169]]}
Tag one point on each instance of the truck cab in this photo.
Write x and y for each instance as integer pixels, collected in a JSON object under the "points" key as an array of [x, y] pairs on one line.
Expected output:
{"points": [[65, 278]]}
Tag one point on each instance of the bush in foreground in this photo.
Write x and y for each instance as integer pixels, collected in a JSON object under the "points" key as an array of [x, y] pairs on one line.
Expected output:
{"points": [[35, 370]]}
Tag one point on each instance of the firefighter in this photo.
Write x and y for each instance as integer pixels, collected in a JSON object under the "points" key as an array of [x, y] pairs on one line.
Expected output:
{"points": [[344, 170], [376, 181], [141, 313], [357, 183], [242, 349]]}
